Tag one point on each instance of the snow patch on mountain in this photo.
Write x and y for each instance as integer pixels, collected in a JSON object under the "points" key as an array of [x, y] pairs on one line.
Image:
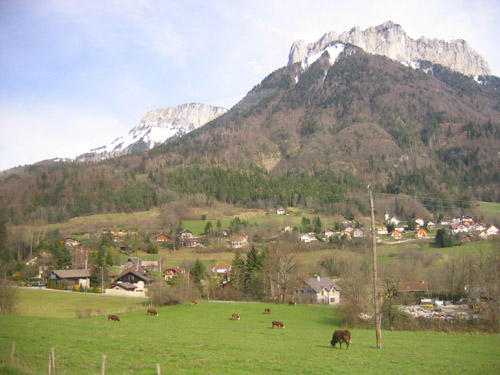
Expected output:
{"points": [[156, 127]]}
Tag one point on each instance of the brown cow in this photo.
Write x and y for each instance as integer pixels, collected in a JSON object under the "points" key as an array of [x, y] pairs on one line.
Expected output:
{"points": [[341, 336], [113, 318], [267, 311], [291, 302], [152, 312], [278, 324], [193, 303], [235, 317]]}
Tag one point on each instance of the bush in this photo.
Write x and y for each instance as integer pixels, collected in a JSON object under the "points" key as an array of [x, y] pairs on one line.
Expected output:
{"points": [[8, 298], [161, 294], [76, 288], [349, 311]]}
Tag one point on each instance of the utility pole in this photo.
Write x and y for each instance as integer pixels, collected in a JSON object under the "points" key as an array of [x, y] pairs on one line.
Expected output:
{"points": [[375, 277]]}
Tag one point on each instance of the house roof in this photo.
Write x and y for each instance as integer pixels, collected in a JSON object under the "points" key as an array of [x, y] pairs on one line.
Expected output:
{"points": [[413, 286], [238, 238], [138, 274], [322, 283], [71, 274], [176, 269], [149, 263], [126, 286]]}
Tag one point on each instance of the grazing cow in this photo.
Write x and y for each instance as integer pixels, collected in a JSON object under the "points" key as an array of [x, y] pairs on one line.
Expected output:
{"points": [[193, 303], [341, 336], [278, 324], [267, 311], [291, 302], [113, 318], [235, 317], [152, 312]]}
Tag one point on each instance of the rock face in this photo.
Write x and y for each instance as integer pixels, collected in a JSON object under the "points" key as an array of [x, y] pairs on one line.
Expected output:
{"points": [[390, 40], [157, 126]]}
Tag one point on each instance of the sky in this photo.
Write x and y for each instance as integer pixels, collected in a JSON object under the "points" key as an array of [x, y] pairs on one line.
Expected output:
{"points": [[75, 75]]}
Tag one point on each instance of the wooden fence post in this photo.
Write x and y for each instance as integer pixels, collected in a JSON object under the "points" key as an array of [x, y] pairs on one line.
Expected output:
{"points": [[103, 364], [53, 360], [158, 369], [12, 354]]}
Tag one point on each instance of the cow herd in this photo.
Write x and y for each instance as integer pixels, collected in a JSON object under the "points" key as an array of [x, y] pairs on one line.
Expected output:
{"points": [[339, 336]]}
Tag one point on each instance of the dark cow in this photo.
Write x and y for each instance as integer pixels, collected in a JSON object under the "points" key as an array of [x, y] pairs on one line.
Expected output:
{"points": [[152, 312], [341, 336], [278, 324], [235, 317], [113, 318], [267, 311], [291, 302], [193, 303]]}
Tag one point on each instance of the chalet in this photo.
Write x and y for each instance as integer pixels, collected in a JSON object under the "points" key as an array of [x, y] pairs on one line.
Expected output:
{"points": [[327, 233], [287, 229], [174, 271], [400, 229], [322, 290], [133, 276], [349, 229], [467, 219], [421, 233], [127, 289], [491, 230], [382, 229], [431, 225], [344, 234], [413, 286], [161, 238], [358, 233], [308, 237], [397, 235], [455, 220], [71, 242], [71, 277], [479, 227], [238, 241], [420, 222], [185, 234]]}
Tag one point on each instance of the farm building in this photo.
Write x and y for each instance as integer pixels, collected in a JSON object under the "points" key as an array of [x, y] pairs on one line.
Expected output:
{"points": [[322, 290]]}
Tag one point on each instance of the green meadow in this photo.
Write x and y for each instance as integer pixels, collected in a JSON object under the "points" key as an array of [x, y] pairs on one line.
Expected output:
{"points": [[202, 339]]}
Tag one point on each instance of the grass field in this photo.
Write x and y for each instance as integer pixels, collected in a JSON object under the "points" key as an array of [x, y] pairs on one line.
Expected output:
{"points": [[202, 339]]}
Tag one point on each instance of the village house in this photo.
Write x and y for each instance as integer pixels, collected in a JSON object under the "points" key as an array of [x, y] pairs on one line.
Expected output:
{"points": [[187, 239], [459, 228], [71, 242], [397, 235], [140, 278], [420, 222], [238, 241], [161, 238], [174, 271], [382, 229], [431, 225], [287, 229], [322, 290], [308, 237], [421, 233], [327, 233], [358, 233], [445, 222], [391, 220], [223, 271], [413, 286], [492, 230], [71, 277], [280, 211]]}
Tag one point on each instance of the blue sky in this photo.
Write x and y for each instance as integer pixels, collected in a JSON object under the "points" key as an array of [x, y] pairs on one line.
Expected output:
{"points": [[74, 75]]}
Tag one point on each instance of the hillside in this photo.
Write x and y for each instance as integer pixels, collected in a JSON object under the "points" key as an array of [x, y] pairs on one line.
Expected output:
{"points": [[309, 135]]}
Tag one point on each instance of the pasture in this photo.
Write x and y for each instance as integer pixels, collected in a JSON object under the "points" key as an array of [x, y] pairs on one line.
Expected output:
{"points": [[203, 339]]}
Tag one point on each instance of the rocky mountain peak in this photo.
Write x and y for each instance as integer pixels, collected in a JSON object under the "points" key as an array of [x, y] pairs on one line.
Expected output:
{"points": [[390, 40], [155, 127]]}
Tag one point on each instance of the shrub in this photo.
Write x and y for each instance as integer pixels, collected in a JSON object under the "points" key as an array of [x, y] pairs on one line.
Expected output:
{"points": [[8, 298], [349, 312], [76, 288], [161, 294]]}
